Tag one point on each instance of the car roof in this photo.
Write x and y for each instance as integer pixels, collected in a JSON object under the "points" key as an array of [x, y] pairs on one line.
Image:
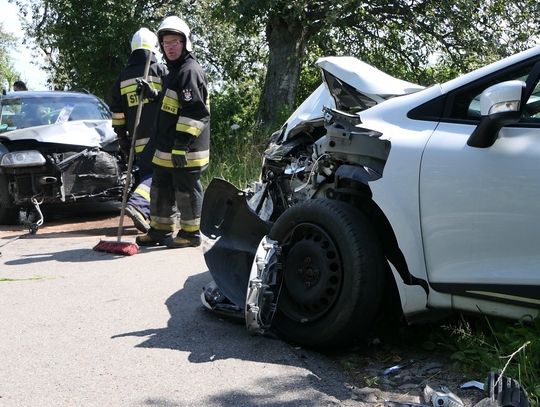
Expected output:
{"points": [[36, 94]]}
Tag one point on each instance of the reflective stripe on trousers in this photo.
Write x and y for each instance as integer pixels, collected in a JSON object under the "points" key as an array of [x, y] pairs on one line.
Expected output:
{"points": [[177, 188]]}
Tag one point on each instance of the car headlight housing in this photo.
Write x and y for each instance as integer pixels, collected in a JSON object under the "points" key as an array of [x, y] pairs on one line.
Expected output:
{"points": [[25, 158]]}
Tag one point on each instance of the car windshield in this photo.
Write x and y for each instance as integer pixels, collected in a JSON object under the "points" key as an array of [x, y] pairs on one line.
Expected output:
{"points": [[19, 113]]}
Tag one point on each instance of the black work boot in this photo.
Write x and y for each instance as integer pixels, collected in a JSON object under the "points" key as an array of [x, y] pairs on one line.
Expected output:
{"points": [[151, 238], [184, 239]]}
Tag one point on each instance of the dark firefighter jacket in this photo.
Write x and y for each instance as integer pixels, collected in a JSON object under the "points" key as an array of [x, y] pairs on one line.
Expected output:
{"points": [[125, 99], [184, 115]]}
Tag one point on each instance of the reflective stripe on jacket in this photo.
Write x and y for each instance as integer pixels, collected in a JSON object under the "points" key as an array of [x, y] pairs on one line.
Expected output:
{"points": [[184, 116]]}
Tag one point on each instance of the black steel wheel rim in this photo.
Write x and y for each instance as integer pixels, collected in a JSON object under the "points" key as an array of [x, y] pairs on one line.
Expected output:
{"points": [[313, 273]]}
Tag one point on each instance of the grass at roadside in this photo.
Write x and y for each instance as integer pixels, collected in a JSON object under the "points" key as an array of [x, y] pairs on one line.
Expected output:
{"points": [[238, 161]]}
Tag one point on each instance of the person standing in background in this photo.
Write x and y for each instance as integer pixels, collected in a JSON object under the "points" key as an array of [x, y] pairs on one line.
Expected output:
{"points": [[19, 86], [124, 108]]}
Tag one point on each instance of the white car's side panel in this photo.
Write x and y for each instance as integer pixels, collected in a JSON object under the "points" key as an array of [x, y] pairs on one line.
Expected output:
{"points": [[479, 207], [492, 308], [413, 297]]}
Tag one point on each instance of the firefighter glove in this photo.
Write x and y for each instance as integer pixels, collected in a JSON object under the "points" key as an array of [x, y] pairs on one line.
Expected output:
{"points": [[178, 157], [145, 90]]}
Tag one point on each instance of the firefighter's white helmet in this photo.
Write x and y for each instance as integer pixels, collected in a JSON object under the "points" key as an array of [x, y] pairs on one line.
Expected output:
{"points": [[175, 25], [144, 39]]}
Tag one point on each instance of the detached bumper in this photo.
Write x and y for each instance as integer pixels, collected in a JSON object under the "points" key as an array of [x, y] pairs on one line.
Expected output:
{"points": [[233, 232]]}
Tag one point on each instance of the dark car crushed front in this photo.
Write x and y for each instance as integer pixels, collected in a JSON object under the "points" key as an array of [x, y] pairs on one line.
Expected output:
{"points": [[56, 147]]}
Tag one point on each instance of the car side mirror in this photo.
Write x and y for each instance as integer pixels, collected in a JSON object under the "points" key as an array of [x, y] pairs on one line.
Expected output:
{"points": [[500, 105]]}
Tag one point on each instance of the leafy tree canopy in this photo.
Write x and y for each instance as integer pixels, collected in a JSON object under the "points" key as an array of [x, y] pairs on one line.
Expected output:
{"points": [[399, 37], [272, 44]]}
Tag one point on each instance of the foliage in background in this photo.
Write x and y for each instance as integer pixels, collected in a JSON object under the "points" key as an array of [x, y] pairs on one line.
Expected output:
{"points": [[234, 156], [480, 344], [271, 42], [399, 37], [8, 74]]}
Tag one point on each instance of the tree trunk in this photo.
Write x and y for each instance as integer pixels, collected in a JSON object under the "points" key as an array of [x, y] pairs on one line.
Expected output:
{"points": [[287, 46]]}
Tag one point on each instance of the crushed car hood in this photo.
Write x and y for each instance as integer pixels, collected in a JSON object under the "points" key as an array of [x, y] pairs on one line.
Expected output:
{"points": [[87, 133], [365, 79]]}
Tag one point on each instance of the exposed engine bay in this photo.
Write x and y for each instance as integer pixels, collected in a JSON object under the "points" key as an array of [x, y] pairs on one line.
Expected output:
{"points": [[59, 163]]}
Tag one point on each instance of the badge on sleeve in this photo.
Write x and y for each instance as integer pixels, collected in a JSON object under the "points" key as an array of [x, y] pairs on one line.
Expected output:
{"points": [[187, 95]]}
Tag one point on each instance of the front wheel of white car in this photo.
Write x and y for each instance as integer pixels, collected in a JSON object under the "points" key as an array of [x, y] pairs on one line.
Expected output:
{"points": [[332, 273], [9, 214]]}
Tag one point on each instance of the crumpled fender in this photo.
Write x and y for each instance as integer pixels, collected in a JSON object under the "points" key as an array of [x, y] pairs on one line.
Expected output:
{"points": [[232, 234]]}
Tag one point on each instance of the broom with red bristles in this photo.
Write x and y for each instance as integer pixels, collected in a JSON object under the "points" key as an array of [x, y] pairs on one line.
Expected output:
{"points": [[119, 247]]}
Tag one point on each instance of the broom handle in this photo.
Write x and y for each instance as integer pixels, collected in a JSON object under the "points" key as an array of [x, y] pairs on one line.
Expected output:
{"points": [[132, 151]]}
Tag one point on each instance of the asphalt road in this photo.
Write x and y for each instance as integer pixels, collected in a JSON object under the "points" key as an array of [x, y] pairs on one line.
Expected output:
{"points": [[85, 328]]}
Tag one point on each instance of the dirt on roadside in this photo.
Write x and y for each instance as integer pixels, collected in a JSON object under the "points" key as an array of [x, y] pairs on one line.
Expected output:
{"points": [[386, 372]]}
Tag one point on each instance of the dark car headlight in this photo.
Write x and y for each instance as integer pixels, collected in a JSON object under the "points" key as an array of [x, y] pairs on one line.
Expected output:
{"points": [[26, 158]]}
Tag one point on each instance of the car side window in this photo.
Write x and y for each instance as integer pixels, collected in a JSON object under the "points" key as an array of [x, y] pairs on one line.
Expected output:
{"points": [[531, 110], [464, 104]]}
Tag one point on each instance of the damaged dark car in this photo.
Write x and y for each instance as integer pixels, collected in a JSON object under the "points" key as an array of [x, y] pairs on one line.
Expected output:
{"points": [[56, 147]]}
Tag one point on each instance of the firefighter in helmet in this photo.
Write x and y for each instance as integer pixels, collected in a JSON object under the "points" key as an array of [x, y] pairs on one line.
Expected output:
{"points": [[124, 108], [182, 142]]}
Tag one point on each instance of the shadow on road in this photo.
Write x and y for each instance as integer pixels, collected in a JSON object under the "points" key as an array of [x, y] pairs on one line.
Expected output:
{"points": [[208, 337], [68, 255]]}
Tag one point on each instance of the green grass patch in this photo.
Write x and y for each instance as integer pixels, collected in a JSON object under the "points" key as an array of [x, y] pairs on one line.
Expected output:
{"points": [[236, 159]]}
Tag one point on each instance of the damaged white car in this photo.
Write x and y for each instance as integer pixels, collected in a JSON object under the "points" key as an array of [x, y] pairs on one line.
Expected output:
{"points": [[377, 190], [56, 147]]}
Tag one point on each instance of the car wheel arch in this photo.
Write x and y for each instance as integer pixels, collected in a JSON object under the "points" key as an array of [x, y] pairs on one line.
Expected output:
{"points": [[359, 195]]}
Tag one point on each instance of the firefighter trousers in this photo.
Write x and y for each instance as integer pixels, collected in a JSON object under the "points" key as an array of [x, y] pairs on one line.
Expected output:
{"points": [[175, 193]]}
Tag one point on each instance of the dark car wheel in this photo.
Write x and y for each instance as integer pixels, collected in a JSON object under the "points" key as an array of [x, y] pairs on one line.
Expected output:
{"points": [[9, 214], [332, 273]]}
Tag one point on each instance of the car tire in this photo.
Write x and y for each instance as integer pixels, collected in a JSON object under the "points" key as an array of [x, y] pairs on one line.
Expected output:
{"points": [[9, 214], [333, 273]]}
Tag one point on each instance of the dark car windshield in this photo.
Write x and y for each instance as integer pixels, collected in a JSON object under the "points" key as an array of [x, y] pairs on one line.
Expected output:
{"points": [[20, 112]]}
